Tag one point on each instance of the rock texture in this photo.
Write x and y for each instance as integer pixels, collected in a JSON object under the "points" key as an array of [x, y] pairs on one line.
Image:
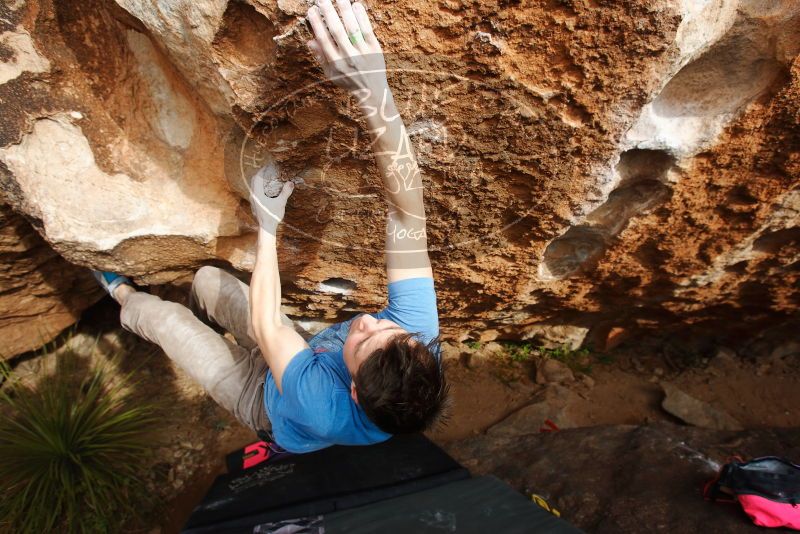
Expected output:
{"points": [[551, 404], [696, 412], [590, 165], [621, 479], [41, 292]]}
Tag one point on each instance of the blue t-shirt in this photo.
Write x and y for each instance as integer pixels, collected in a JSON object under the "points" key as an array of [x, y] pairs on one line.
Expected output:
{"points": [[315, 410]]}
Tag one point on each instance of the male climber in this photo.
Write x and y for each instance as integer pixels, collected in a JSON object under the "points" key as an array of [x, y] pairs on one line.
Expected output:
{"points": [[359, 381]]}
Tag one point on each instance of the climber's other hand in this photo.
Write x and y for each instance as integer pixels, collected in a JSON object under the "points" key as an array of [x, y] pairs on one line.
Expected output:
{"points": [[346, 47], [269, 211]]}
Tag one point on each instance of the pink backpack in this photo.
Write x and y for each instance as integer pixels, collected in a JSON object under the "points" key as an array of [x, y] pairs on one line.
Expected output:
{"points": [[767, 488]]}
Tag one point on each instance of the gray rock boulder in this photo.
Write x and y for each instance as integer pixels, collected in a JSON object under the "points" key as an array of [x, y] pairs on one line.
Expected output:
{"points": [[551, 403], [696, 412], [627, 479]]}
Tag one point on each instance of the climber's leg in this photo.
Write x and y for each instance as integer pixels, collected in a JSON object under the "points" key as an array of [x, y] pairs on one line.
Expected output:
{"points": [[229, 373], [219, 297]]}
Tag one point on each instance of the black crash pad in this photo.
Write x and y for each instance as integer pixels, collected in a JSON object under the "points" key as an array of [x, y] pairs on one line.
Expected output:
{"points": [[322, 482], [477, 505]]}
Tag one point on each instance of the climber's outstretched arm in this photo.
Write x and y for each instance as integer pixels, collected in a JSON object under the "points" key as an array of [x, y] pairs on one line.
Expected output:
{"points": [[351, 57], [279, 343], [406, 236]]}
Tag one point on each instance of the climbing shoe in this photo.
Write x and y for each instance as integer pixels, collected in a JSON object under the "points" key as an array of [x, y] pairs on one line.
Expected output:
{"points": [[110, 281]]}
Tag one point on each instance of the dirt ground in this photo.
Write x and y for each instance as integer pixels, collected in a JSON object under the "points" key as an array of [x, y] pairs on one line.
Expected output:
{"points": [[624, 390], [487, 384]]}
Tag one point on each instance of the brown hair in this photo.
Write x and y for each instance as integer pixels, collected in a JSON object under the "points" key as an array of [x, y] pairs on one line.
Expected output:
{"points": [[401, 387]]}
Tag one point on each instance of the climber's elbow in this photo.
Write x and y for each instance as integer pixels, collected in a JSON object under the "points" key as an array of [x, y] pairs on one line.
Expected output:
{"points": [[265, 326]]}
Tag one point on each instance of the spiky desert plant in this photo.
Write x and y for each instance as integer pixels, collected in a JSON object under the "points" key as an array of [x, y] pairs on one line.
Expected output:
{"points": [[71, 452]]}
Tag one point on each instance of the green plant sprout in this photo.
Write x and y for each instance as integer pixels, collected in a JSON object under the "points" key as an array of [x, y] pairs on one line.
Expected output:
{"points": [[575, 359], [72, 449], [520, 352]]}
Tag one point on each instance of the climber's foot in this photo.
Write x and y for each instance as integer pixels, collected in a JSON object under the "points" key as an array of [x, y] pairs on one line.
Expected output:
{"points": [[122, 292], [117, 285]]}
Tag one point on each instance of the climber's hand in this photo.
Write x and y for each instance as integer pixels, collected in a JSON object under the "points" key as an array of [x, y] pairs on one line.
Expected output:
{"points": [[346, 48], [268, 210]]}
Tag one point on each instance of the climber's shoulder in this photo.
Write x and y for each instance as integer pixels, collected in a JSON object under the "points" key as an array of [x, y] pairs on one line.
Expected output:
{"points": [[396, 275], [412, 305]]}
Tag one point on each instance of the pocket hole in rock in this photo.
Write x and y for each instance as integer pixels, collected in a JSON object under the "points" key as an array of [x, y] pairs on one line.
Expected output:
{"points": [[727, 77], [774, 242], [642, 186], [245, 36], [341, 286]]}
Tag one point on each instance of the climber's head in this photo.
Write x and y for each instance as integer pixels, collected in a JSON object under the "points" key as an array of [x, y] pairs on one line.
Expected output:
{"points": [[397, 380]]}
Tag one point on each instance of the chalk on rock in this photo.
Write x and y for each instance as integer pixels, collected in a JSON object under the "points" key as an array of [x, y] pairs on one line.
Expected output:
{"points": [[269, 174]]}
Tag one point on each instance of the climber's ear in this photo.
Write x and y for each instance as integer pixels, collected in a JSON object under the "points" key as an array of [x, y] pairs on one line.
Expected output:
{"points": [[353, 392]]}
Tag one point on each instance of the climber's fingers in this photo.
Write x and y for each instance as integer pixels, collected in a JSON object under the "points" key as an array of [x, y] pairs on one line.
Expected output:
{"points": [[349, 21], [316, 50], [322, 36], [286, 190], [363, 22], [337, 31]]}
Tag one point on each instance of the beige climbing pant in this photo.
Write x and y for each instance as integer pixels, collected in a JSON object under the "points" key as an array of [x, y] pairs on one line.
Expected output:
{"points": [[232, 373]]}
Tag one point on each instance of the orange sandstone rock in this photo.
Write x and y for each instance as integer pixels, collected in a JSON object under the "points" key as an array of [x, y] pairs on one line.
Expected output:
{"points": [[584, 162]]}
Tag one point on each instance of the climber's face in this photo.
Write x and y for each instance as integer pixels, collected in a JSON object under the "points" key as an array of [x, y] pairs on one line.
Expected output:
{"points": [[367, 334]]}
